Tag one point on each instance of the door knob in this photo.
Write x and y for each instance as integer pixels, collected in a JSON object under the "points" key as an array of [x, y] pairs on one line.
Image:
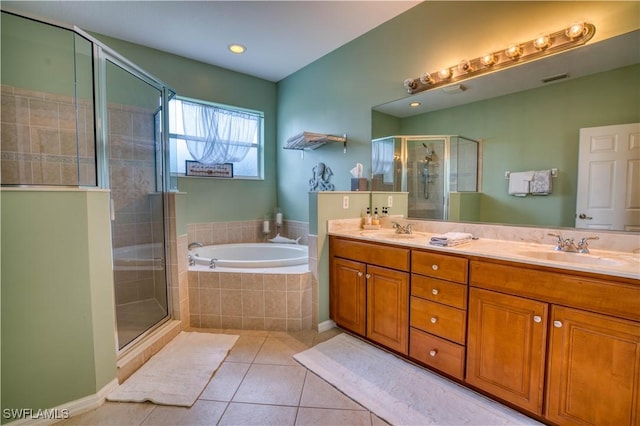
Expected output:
{"points": [[584, 216]]}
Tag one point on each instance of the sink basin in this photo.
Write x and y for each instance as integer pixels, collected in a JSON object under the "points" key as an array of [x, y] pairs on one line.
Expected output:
{"points": [[560, 256], [388, 234]]}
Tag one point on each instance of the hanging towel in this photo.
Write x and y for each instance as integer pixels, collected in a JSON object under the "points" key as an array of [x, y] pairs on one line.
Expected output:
{"points": [[541, 183], [450, 239], [519, 183]]}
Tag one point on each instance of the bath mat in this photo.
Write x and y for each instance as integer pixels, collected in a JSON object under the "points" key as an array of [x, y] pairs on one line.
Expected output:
{"points": [[177, 374], [398, 391]]}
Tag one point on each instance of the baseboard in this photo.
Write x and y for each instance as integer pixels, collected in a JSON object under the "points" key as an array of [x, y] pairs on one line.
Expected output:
{"points": [[69, 409], [326, 325]]}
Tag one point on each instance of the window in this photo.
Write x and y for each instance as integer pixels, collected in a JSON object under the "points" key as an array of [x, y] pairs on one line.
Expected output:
{"points": [[214, 134]]}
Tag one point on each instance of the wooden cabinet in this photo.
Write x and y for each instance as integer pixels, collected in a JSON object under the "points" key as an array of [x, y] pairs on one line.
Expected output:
{"points": [[591, 359], [368, 299], [506, 347], [594, 369], [438, 316]]}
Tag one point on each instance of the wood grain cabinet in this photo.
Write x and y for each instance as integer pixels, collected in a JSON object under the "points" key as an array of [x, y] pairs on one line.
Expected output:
{"points": [[367, 295], [591, 358], [438, 316]]}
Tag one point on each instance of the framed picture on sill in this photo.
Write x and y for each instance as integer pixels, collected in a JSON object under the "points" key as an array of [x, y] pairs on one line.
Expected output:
{"points": [[221, 170]]}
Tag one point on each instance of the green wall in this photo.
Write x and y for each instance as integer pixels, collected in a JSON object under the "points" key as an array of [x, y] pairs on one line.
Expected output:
{"points": [[536, 129], [213, 200], [335, 94], [57, 315]]}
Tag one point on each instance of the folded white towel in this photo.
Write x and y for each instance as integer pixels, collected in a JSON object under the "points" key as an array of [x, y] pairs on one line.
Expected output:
{"points": [[450, 239], [541, 183], [519, 183]]}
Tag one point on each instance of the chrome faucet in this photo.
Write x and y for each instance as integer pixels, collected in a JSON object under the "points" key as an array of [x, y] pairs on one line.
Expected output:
{"points": [[402, 229], [568, 245], [193, 245]]}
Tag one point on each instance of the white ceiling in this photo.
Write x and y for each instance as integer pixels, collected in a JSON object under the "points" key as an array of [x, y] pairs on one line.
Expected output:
{"points": [[281, 36]]}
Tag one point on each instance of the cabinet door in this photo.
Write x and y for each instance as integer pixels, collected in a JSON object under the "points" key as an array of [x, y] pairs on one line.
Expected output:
{"points": [[388, 308], [506, 347], [347, 294], [594, 369]]}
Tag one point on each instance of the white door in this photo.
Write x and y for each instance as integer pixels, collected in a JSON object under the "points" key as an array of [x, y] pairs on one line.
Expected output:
{"points": [[609, 178]]}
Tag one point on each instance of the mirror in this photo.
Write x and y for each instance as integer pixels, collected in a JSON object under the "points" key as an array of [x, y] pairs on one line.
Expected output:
{"points": [[524, 123]]}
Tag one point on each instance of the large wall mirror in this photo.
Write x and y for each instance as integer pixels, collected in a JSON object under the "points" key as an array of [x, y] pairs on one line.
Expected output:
{"points": [[526, 118]]}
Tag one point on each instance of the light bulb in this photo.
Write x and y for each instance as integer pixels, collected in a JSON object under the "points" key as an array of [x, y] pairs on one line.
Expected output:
{"points": [[575, 30], [426, 78], [465, 66], [444, 73], [409, 84], [488, 60], [513, 51], [542, 42]]}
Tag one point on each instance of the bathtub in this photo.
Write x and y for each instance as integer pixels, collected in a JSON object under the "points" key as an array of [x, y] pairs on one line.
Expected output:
{"points": [[253, 286], [250, 255]]}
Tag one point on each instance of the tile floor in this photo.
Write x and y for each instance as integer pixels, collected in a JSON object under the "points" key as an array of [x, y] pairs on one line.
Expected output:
{"points": [[259, 383]]}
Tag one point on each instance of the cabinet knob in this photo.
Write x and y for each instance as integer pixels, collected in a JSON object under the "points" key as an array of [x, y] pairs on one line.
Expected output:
{"points": [[434, 267], [557, 324], [434, 291], [433, 352], [368, 276], [433, 320], [537, 318], [360, 274]]}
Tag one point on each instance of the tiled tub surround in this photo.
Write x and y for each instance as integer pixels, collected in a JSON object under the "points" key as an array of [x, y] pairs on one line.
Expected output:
{"points": [[46, 139], [278, 299], [248, 231], [250, 301]]}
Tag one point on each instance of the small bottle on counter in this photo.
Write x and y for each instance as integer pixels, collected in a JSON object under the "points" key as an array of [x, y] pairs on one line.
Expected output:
{"points": [[375, 220], [367, 219]]}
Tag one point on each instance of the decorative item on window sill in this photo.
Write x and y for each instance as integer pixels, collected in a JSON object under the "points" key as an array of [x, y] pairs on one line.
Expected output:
{"points": [[310, 141], [515, 54]]}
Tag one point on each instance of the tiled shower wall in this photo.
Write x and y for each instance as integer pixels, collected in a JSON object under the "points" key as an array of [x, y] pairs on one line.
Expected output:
{"points": [[137, 203], [46, 139]]}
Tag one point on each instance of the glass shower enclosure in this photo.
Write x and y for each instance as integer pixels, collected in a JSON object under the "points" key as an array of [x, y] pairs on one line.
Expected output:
{"points": [[76, 114], [429, 167]]}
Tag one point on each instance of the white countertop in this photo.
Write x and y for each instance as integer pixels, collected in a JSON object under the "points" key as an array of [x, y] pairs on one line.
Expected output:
{"points": [[621, 264]]}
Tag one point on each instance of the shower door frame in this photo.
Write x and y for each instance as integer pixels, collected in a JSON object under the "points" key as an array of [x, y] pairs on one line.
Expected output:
{"points": [[102, 54]]}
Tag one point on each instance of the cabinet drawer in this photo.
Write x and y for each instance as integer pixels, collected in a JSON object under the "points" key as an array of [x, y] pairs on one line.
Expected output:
{"points": [[439, 266], [441, 320], [440, 291], [437, 353], [606, 296], [376, 254]]}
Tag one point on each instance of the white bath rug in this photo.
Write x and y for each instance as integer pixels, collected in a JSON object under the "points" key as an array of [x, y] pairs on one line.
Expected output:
{"points": [[177, 374], [398, 391]]}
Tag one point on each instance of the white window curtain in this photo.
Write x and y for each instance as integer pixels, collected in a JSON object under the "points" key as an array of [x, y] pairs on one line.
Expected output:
{"points": [[216, 135], [382, 157]]}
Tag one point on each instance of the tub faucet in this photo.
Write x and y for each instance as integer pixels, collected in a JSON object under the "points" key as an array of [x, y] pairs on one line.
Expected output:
{"points": [[193, 245], [402, 229]]}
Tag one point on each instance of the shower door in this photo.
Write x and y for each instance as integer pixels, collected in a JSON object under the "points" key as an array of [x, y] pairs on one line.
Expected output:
{"points": [[134, 150], [426, 162]]}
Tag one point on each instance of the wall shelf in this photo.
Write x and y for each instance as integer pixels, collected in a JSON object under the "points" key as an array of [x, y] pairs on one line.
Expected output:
{"points": [[308, 141]]}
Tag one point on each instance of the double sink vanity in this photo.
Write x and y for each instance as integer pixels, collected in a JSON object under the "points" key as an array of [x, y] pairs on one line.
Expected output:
{"points": [[551, 333]]}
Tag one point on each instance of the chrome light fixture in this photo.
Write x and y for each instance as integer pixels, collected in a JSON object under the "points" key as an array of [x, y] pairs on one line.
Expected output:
{"points": [[545, 44]]}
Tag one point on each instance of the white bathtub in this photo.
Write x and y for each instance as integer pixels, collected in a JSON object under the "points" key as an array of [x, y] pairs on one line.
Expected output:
{"points": [[251, 255]]}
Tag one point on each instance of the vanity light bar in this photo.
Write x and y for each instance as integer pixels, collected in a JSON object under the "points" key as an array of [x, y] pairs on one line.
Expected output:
{"points": [[515, 54]]}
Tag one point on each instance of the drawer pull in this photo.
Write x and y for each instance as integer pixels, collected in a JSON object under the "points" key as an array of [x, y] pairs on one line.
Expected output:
{"points": [[434, 267], [434, 291], [368, 276], [360, 274], [433, 352], [433, 320], [537, 318], [557, 324]]}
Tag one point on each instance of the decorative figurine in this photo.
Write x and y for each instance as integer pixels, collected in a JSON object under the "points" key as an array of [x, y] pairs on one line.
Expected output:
{"points": [[320, 180]]}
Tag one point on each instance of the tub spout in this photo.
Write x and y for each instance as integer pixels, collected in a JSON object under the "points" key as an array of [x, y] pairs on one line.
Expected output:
{"points": [[193, 245]]}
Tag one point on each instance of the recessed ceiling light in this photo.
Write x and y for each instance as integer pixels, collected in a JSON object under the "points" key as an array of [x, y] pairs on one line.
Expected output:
{"points": [[414, 104], [237, 48]]}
